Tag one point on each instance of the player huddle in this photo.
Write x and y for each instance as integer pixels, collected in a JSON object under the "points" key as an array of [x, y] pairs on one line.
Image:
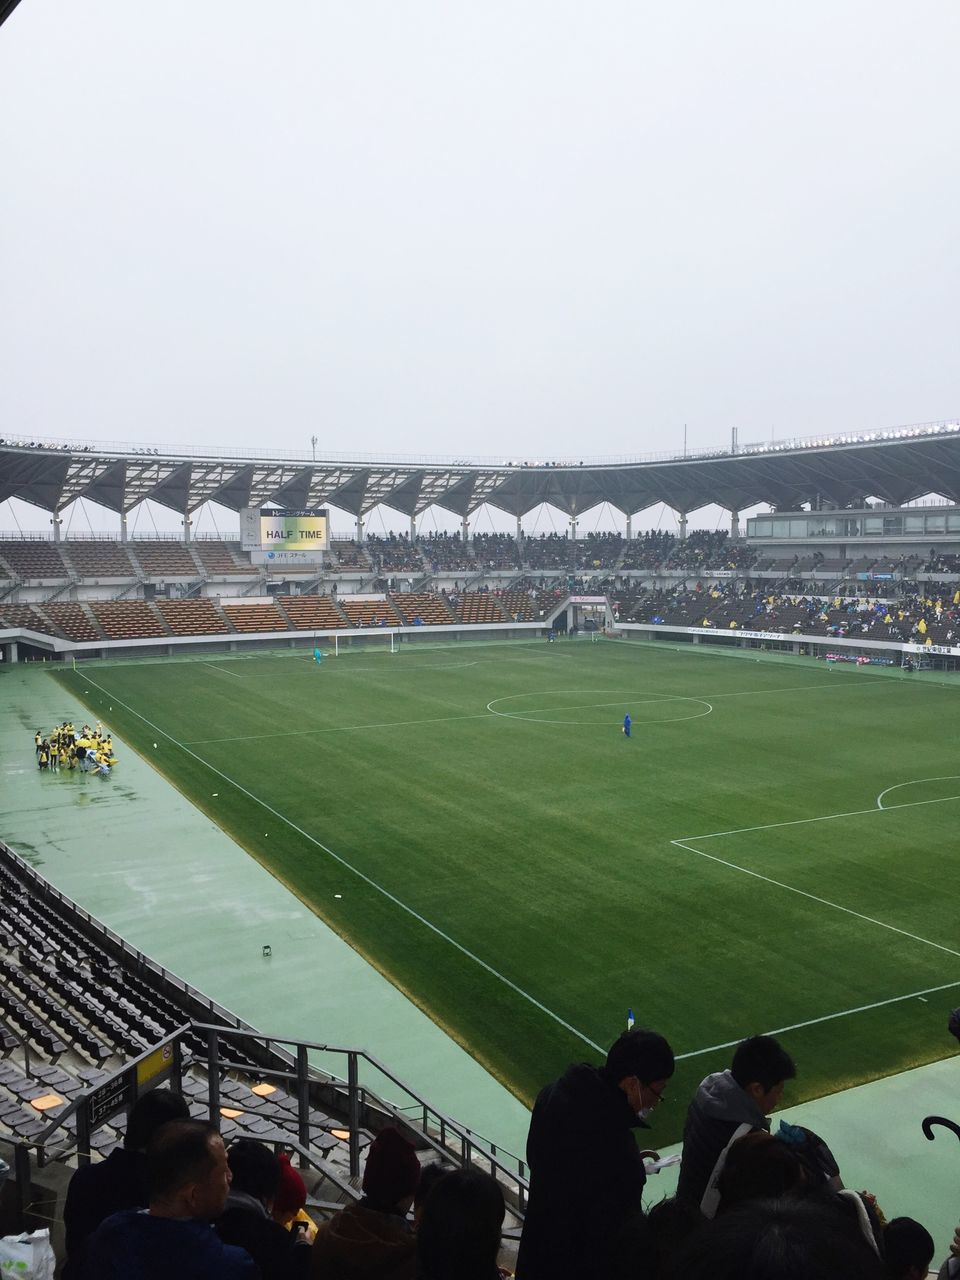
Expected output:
{"points": [[90, 750]]}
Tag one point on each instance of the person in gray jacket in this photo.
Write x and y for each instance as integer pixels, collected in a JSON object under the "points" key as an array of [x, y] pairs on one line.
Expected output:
{"points": [[727, 1105]]}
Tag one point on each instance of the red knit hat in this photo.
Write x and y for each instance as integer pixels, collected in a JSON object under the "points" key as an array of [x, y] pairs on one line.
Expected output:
{"points": [[393, 1171], [292, 1192]]}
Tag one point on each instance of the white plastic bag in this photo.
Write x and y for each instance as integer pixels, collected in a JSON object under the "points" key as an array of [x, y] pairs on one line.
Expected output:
{"points": [[27, 1257]]}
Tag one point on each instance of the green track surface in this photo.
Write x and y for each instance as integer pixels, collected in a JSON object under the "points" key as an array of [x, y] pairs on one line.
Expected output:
{"points": [[507, 858]]}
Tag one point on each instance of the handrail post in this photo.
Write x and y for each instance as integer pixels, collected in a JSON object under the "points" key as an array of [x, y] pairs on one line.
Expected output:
{"points": [[353, 1108], [213, 1074], [83, 1133], [303, 1098], [21, 1169]]}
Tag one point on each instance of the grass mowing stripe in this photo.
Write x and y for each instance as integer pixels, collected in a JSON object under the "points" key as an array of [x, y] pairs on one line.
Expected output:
{"points": [[915, 937], [343, 728], [356, 871], [827, 1017]]}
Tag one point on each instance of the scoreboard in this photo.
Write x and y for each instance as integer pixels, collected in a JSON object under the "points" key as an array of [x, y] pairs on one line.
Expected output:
{"points": [[279, 534]]}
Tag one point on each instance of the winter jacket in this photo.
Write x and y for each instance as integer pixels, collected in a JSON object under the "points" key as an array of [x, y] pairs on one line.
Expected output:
{"points": [[136, 1245], [360, 1242], [586, 1176], [246, 1223], [97, 1191], [718, 1109]]}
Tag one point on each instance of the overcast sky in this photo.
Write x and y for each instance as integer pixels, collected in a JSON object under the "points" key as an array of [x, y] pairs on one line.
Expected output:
{"points": [[534, 228]]}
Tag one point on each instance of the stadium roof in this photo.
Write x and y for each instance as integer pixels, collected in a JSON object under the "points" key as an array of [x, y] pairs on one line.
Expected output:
{"points": [[897, 466]]}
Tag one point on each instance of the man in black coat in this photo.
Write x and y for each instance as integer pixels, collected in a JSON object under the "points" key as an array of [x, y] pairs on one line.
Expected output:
{"points": [[247, 1218], [586, 1170]]}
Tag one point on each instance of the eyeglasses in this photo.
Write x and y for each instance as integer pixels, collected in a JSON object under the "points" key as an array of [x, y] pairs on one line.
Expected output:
{"points": [[660, 1094]]}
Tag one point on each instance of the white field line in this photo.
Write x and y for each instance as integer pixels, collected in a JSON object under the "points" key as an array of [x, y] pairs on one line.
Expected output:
{"points": [[360, 874], [803, 893], [828, 1017], [950, 777], [343, 728], [214, 667]]}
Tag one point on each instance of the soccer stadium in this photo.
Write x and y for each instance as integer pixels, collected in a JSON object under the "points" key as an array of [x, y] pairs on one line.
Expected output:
{"points": [[391, 853]]}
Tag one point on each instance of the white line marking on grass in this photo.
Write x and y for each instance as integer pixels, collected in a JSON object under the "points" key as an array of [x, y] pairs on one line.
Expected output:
{"points": [[803, 893], [343, 728], [528, 717], [357, 872], [213, 667], [949, 777], [827, 1017]]}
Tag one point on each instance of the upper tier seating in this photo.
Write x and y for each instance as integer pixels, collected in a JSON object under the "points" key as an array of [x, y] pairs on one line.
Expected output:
{"points": [[350, 556], [548, 551], [370, 613], [255, 617], [394, 555], [165, 559], [446, 552], [598, 551], [495, 551], [311, 613], [431, 610], [221, 558], [34, 558], [72, 619], [100, 559], [478, 606], [127, 619], [197, 617]]}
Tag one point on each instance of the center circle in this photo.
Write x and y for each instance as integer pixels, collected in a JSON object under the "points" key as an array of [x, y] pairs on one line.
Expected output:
{"points": [[604, 707]]}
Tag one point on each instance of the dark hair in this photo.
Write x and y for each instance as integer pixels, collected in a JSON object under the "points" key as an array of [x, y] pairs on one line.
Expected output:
{"points": [[640, 1053], [778, 1240], [178, 1154], [430, 1175], [149, 1112], [459, 1233], [759, 1167], [761, 1060], [255, 1169], [906, 1244]]}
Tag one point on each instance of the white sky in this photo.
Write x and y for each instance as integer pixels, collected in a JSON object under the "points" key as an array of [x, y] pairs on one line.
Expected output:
{"points": [[536, 228]]}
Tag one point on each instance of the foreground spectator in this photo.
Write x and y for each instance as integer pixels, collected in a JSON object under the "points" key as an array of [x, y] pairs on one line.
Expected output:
{"points": [[247, 1220], [120, 1182], [726, 1106], [586, 1170], [291, 1195], [778, 1240], [188, 1179], [907, 1249], [459, 1233], [372, 1238]]}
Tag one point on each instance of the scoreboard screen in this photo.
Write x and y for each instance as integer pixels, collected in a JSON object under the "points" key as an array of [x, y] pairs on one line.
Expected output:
{"points": [[273, 529]]}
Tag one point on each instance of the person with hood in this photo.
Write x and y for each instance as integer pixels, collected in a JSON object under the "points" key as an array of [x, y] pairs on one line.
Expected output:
{"points": [[372, 1238], [726, 1106], [248, 1219], [188, 1178], [586, 1169]]}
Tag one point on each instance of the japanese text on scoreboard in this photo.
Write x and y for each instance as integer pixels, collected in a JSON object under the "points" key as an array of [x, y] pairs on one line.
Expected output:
{"points": [[293, 530]]}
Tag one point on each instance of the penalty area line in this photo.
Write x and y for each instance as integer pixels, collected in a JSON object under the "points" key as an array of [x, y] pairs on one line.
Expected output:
{"points": [[827, 1017], [470, 955]]}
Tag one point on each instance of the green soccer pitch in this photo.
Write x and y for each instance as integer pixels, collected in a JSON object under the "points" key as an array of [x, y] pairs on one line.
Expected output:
{"points": [[774, 849]]}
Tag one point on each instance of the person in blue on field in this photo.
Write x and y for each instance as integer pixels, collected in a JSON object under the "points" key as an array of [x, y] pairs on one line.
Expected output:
{"points": [[317, 655], [627, 723]]}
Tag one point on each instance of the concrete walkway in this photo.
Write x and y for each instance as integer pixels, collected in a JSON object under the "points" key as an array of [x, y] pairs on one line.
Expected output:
{"points": [[141, 858]]}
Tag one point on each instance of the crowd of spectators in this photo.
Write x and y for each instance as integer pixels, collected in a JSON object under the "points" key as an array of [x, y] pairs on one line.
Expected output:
{"points": [[915, 618]]}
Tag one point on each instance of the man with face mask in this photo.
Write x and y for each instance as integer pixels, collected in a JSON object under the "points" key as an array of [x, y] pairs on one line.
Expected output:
{"points": [[586, 1169]]}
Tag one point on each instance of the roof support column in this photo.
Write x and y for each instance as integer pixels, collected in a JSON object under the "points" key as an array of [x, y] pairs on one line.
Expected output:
{"points": [[519, 530], [187, 522], [465, 528], [124, 536], [56, 522], [413, 528], [734, 526], [573, 528], [629, 527], [359, 526], [683, 525]]}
